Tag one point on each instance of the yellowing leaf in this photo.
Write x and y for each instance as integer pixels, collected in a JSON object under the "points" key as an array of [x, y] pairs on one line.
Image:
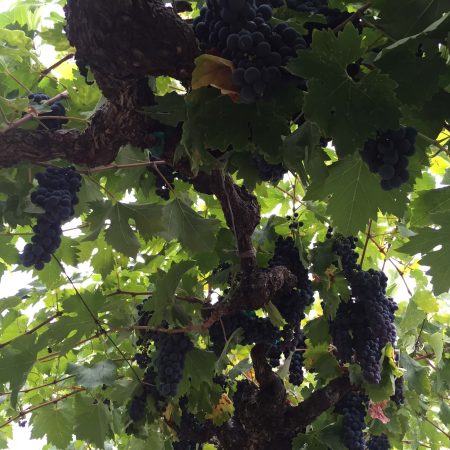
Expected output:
{"points": [[214, 71]]}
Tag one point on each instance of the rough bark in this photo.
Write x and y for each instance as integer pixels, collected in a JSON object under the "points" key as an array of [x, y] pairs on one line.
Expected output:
{"points": [[129, 39]]}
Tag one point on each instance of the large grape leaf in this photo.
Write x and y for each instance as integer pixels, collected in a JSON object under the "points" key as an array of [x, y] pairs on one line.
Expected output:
{"points": [[346, 110], [16, 361], [55, 423], [355, 195], [163, 297], [194, 232], [91, 421], [408, 17], [215, 121], [417, 77], [119, 234], [101, 373], [428, 203], [434, 245]]}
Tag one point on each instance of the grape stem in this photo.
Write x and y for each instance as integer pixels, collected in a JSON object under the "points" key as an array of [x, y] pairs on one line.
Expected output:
{"points": [[76, 390], [45, 72], [123, 166], [435, 143], [19, 122], [356, 15], [32, 330], [52, 383]]}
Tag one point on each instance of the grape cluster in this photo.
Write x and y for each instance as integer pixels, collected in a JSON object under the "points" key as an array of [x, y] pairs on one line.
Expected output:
{"points": [[292, 304], [164, 179], [57, 109], [191, 431], [365, 323], [56, 195], [399, 396], [296, 366], [139, 401], [240, 31], [294, 224], [272, 173], [255, 330], [388, 155], [380, 442], [169, 361], [353, 409]]}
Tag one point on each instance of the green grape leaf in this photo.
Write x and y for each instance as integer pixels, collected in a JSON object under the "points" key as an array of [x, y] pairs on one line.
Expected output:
{"points": [[416, 15], [16, 361], [101, 373], [103, 260], [416, 375], [169, 109], [55, 423], [334, 100], [425, 301], [91, 421], [434, 244], [320, 360], [427, 203], [417, 78], [194, 232], [162, 301], [355, 195], [119, 234], [215, 121]]}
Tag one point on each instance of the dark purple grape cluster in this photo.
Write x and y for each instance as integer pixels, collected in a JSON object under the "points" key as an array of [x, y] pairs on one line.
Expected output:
{"points": [[388, 155], [255, 330], [56, 195], [353, 409], [380, 442], [296, 366], [292, 304], [240, 31], [399, 396], [138, 403], [191, 431], [365, 323], [294, 224], [169, 360], [57, 110], [273, 173], [164, 179]]}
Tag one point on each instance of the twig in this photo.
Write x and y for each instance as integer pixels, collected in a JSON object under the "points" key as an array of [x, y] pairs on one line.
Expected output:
{"points": [[381, 249], [122, 166], [356, 15], [34, 329], [41, 405], [366, 243], [17, 123], [52, 383], [45, 72], [95, 319], [437, 427], [416, 344], [149, 294]]}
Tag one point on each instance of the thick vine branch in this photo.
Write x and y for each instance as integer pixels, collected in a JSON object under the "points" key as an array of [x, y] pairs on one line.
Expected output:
{"points": [[298, 417]]}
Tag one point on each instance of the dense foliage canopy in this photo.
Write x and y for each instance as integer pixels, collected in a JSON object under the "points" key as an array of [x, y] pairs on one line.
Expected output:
{"points": [[254, 199]]}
